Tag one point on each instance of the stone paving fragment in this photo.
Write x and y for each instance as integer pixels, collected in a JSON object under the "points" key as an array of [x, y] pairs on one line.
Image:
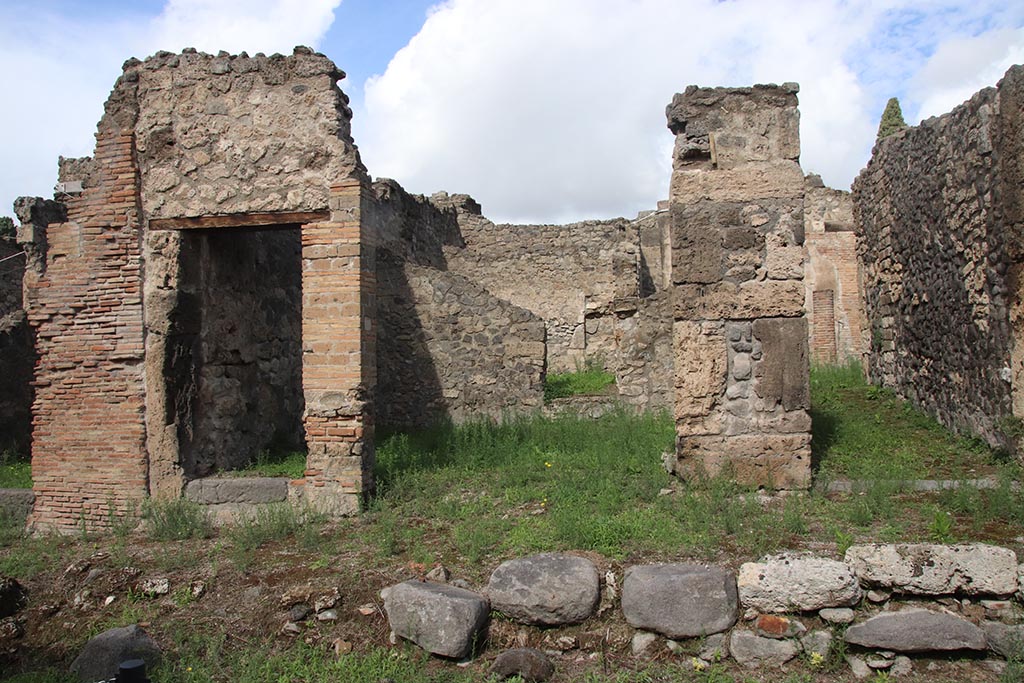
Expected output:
{"points": [[680, 600], [926, 569], [790, 583], [917, 630], [549, 589], [441, 619]]}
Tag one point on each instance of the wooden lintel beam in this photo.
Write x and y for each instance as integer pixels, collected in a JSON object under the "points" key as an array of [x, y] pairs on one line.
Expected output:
{"points": [[240, 220]]}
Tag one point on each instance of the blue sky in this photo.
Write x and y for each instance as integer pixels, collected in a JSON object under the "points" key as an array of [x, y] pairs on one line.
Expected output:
{"points": [[544, 110]]}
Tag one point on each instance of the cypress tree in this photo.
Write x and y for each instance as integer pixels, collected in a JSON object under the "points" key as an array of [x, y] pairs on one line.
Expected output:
{"points": [[892, 120]]}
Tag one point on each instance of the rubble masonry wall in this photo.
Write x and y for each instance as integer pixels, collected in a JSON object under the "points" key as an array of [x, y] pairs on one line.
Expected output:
{"points": [[938, 210]]}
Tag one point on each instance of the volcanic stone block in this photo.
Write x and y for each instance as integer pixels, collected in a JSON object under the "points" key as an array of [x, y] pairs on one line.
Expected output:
{"points": [[697, 243], [769, 181], [443, 620], [212, 491], [783, 375], [548, 589], [680, 600], [917, 630], [701, 365]]}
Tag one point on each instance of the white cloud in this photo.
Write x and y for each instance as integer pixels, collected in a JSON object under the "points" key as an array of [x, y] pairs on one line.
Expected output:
{"points": [[242, 25], [554, 110], [962, 66], [58, 70]]}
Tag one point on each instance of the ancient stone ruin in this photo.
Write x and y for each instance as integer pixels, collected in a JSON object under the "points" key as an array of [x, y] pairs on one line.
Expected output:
{"points": [[223, 277]]}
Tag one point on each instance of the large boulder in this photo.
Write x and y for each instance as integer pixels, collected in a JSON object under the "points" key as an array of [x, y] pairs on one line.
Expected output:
{"points": [[549, 589], [917, 630], [101, 656], [752, 651], [680, 600], [926, 569], [442, 619], [792, 583]]}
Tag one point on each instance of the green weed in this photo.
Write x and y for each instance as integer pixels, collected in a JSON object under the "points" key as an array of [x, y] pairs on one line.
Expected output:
{"points": [[268, 463], [592, 379], [15, 470], [176, 520]]}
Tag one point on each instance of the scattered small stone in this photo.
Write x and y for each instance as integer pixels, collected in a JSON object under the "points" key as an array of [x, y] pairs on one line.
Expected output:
{"points": [[773, 626], [529, 664], [290, 628], [327, 615], [197, 589], [837, 615], [566, 643], [902, 666], [751, 650], [461, 583], [673, 646], [367, 609], [642, 640], [327, 600], [155, 586], [878, 596], [341, 647], [817, 642], [881, 663], [294, 596], [666, 492], [439, 574], [298, 612], [858, 667], [996, 666], [715, 648], [997, 609], [1003, 639], [10, 629], [109, 599]]}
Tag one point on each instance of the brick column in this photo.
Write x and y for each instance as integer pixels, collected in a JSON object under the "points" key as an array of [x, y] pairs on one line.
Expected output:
{"points": [[83, 295], [740, 336], [338, 352]]}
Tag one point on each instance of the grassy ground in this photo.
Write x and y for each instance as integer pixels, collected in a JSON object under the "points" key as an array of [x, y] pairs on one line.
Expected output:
{"points": [[590, 380], [15, 471], [469, 497]]}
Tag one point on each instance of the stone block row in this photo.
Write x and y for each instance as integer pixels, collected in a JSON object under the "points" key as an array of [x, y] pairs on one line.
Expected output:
{"points": [[770, 599]]}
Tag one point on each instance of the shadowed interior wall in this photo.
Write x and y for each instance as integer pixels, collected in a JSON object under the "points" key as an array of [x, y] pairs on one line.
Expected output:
{"points": [[247, 285]]}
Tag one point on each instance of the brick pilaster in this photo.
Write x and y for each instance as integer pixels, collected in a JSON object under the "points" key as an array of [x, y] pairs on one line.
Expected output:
{"points": [[84, 299], [338, 352]]}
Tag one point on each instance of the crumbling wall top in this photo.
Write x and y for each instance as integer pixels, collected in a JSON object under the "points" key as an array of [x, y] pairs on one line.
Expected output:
{"points": [[231, 134], [732, 127]]}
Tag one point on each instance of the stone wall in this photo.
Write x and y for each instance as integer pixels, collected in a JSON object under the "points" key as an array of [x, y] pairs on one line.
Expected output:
{"points": [[563, 273], [453, 350], [938, 210], [741, 364], [834, 300], [17, 354], [137, 363]]}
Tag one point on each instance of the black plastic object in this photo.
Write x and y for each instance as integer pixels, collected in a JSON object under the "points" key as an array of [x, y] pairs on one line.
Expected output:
{"points": [[132, 671]]}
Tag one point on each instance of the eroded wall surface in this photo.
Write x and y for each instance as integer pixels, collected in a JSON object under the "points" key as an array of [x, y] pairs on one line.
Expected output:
{"points": [[834, 297], [938, 210], [740, 335]]}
